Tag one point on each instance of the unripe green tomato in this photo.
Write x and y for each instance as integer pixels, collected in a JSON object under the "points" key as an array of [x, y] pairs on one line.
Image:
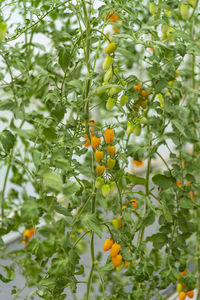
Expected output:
{"points": [[3, 30], [105, 82], [123, 100], [108, 75], [152, 8], [114, 91], [115, 223], [164, 37], [143, 120], [99, 182], [137, 130], [121, 266], [111, 48], [168, 13], [130, 128], [193, 3], [110, 103], [161, 99], [111, 163], [179, 287], [169, 33], [164, 28], [112, 186], [100, 90], [108, 61], [105, 189], [184, 10]]}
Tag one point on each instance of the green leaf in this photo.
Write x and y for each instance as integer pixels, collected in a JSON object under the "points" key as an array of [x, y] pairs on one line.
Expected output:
{"points": [[135, 179], [149, 219], [10, 274], [92, 222], [163, 181], [52, 180], [166, 212], [7, 105], [76, 83], [64, 58], [7, 140], [158, 239], [62, 210], [70, 188], [178, 126], [185, 203]]}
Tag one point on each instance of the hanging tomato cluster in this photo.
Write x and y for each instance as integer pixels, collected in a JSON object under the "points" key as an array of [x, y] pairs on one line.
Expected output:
{"points": [[182, 288], [105, 161], [114, 252]]}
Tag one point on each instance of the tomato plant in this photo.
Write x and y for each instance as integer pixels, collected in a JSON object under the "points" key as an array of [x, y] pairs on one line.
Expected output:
{"points": [[92, 93]]}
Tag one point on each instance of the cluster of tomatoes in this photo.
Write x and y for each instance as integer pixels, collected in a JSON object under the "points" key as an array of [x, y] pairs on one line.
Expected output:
{"points": [[182, 288], [114, 252]]}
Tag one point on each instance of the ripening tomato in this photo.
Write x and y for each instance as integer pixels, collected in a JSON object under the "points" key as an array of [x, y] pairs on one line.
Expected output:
{"points": [[109, 135], [111, 150], [108, 244], [115, 249], [182, 295], [27, 235], [113, 17], [111, 48], [190, 294], [116, 260], [96, 141], [100, 169], [98, 156]]}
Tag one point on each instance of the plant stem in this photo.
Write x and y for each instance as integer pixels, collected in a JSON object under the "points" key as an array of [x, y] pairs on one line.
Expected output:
{"points": [[5, 183], [140, 237]]}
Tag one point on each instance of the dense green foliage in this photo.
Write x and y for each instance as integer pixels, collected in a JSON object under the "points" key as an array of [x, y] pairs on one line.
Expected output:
{"points": [[52, 86]]}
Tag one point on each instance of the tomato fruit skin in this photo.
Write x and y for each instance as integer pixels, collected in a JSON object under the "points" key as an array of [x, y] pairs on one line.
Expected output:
{"points": [[114, 91], [99, 182], [110, 163], [193, 3], [111, 48], [179, 287], [152, 8], [130, 128], [96, 142], [137, 130], [164, 28], [116, 260], [115, 250], [3, 30], [108, 75], [110, 103], [100, 169], [123, 100], [111, 150], [108, 61], [109, 135], [182, 296], [98, 156], [184, 10], [105, 190], [116, 223], [108, 244]]}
